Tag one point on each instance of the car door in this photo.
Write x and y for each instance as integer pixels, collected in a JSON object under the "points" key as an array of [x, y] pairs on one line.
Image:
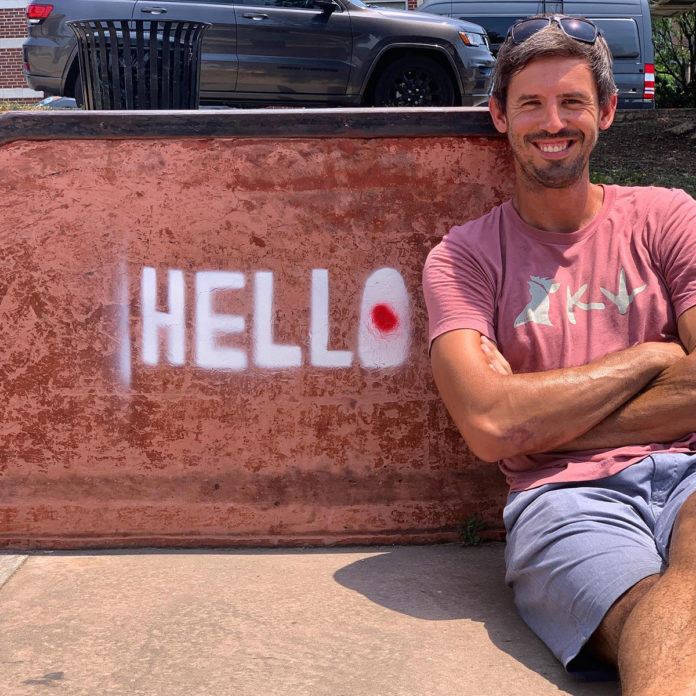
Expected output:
{"points": [[292, 47], [219, 52]]}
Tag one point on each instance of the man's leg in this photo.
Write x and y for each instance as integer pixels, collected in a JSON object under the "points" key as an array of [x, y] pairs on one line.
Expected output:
{"points": [[605, 640], [651, 629], [571, 551]]}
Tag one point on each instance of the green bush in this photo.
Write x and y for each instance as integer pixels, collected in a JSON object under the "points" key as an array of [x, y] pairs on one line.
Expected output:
{"points": [[669, 94], [675, 60]]}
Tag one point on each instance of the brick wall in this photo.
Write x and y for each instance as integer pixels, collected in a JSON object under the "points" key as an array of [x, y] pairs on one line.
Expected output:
{"points": [[12, 23], [13, 31], [11, 68]]}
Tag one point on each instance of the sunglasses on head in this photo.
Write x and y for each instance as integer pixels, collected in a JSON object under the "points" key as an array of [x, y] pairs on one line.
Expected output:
{"points": [[578, 29]]}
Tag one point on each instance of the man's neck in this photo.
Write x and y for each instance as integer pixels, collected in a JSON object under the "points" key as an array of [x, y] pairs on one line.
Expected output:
{"points": [[558, 210]]}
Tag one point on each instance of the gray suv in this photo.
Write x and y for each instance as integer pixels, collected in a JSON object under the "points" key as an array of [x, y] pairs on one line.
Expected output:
{"points": [[288, 52]]}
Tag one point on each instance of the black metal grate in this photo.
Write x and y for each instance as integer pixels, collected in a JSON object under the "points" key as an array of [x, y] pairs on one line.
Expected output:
{"points": [[139, 64]]}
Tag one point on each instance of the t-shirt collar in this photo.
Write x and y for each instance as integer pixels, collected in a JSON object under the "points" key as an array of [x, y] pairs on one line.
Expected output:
{"points": [[562, 238]]}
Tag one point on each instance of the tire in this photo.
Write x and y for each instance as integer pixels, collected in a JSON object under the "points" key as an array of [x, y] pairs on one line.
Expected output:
{"points": [[414, 81]]}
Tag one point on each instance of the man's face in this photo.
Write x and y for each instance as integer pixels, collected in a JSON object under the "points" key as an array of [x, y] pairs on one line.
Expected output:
{"points": [[552, 119]]}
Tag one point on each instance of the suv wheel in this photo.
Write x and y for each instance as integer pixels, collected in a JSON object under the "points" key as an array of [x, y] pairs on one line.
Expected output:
{"points": [[414, 81]]}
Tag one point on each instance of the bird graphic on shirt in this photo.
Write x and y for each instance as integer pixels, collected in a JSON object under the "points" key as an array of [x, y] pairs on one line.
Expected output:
{"points": [[537, 311], [622, 299]]}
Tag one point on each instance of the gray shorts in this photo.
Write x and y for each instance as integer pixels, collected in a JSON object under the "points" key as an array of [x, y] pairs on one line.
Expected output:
{"points": [[573, 549]]}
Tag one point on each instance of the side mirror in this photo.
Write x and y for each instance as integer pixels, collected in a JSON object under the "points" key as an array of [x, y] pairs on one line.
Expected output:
{"points": [[327, 6]]}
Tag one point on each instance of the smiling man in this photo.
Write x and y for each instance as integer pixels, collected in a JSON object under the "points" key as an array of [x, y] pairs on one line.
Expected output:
{"points": [[563, 343]]}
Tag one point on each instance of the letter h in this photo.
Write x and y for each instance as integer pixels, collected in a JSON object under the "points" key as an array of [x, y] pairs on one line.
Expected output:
{"points": [[172, 321]]}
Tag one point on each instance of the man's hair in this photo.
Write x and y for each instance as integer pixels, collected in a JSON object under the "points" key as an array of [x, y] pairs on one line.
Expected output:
{"points": [[551, 42]]}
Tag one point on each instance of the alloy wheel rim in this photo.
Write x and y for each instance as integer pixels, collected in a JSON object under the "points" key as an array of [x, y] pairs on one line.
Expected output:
{"points": [[415, 88]]}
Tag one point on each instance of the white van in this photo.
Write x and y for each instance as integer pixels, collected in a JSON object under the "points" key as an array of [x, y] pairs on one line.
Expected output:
{"points": [[624, 23]]}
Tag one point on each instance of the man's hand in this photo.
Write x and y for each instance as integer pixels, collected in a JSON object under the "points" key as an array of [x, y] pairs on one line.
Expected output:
{"points": [[665, 411], [495, 358]]}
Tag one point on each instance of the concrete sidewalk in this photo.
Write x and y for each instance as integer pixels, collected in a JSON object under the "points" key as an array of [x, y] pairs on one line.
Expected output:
{"points": [[370, 621]]}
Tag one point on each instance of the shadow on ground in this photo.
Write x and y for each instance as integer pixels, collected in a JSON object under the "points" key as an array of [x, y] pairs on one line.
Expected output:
{"points": [[446, 583]]}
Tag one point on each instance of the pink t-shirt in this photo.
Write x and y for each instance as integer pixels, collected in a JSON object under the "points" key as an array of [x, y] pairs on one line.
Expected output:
{"points": [[554, 300]]}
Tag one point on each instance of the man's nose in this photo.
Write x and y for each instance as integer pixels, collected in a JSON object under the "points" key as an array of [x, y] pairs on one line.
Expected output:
{"points": [[553, 120]]}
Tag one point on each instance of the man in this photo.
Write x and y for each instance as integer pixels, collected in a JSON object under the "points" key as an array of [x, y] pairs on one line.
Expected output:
{"points": [[563, 337]]}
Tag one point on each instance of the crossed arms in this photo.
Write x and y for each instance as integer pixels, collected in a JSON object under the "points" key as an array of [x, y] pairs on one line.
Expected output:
{"points": [[643, 394]]}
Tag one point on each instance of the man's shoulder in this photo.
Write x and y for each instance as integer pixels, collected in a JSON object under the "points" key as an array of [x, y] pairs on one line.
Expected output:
{"points": [[480, 231], [473, 247], [494, 216], [653, 209], [652, 195]]}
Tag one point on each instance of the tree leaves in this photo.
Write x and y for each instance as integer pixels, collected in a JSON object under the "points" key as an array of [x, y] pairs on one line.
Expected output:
{"points": [[675, 59]]}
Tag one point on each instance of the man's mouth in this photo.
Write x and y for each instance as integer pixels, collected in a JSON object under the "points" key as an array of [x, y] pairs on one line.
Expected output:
{"points": [[556, 146]]}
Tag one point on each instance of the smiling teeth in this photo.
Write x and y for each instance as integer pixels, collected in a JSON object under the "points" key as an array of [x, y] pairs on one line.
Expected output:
{"points": [[553, 148]]}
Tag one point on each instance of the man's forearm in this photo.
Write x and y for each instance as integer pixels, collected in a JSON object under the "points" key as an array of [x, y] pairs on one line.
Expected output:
{"points": [[503, 415], [664, 412], [543, 409]]}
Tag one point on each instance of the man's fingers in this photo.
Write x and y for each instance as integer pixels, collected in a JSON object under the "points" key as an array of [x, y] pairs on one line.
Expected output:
{"points": [[505, 363], [495, 358]]}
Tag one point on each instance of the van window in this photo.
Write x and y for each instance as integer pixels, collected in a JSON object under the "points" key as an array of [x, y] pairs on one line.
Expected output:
{"points": [[621, 35]]}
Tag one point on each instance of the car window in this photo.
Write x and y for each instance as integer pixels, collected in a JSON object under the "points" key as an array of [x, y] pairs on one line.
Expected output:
{"points": [[204, 2], [621, 35], [296, 4], [440, 8]]}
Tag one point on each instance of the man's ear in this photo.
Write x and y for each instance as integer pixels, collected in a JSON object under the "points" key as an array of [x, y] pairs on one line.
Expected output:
{"points": [[606, 113], [498, 115]]}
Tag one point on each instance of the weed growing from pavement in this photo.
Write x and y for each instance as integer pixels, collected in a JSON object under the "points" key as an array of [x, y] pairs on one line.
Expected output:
{"points": [[468, 530]]}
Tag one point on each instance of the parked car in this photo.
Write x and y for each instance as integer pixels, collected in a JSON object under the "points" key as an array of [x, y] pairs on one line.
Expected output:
{"points": [[624, 23], [288, 52]]}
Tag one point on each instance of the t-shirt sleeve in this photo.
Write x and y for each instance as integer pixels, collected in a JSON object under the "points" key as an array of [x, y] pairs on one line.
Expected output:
{"points": [[459, 287], [677, 249]]}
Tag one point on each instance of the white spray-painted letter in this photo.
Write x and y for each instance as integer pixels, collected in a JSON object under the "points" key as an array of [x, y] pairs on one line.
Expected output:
{"points": [[266, 352], [384, 332], [209, 324], [124, 352], [172, 321], [321, 356]]}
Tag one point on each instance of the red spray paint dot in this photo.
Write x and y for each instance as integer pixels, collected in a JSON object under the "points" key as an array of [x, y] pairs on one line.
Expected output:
{"points": [[384, 318]]}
